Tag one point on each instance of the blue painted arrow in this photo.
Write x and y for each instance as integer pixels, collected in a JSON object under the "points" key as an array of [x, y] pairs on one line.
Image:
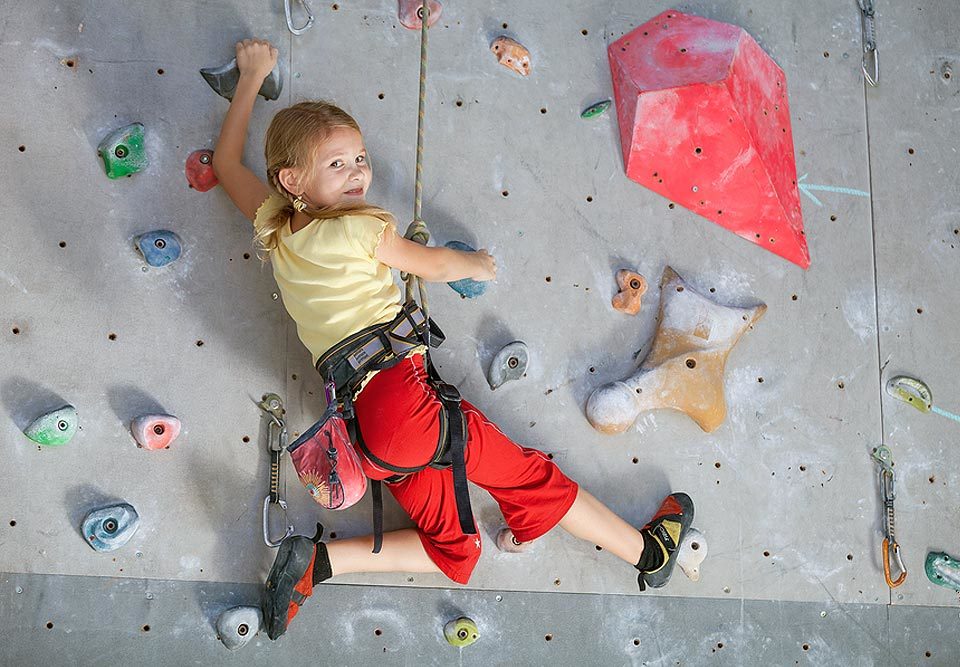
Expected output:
{"points": [[805, 188]]}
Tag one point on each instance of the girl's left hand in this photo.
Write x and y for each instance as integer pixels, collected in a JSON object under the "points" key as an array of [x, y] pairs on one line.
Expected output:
{"points": [[256, 58]]}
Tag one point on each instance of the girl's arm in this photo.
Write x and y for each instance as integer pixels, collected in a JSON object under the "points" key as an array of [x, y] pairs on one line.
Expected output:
{"points": [[434, 264], [255, 59]]}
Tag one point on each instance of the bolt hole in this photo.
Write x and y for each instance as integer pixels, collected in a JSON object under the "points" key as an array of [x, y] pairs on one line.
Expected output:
{"points": [[246, 438], [803, 468], [716, 465], [548, 637], [712, 290], [841, 385], [556, 582], [505, 193], [910, 151], [919, 311], [634, 284], [760, 380], [378, 632], [335, 7], [679, 288], [683, 50], [49, 625], [671, 206], [806, 647], [548, 278], [63, 244], [160, 71], [246, 255], [932, 479], [112, 336], [593, 370], [16, 331], [589, 199], [698, 150], [826, 54], [766, 554], [380, 96], [598, 547], [543, 109], [199, 343], [635, 460], [13, 523], [504, 26], [794, 297], [146, 628], [849, 556], [833, 218], [583, 32], [22, 148], [459, 103], [927, 654], [691, 363], [636, 642], [550, 456]]}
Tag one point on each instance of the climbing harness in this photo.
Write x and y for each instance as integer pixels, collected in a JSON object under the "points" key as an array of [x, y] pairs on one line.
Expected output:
{"points": [[871, 57], [884, 459], [916, 393], [347, 365], [287, 10], [272, 406]]}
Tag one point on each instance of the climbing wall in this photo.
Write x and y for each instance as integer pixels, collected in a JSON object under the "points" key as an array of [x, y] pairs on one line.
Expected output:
{"points": [[785, 488]]}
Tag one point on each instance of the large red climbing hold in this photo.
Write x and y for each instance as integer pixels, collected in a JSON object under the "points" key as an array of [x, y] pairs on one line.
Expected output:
{"points": [[704, 121], [199, 170]]}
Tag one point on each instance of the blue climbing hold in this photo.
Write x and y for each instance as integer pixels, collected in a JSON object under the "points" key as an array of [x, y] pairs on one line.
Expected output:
{"points": [[159, 248], [466, 288], [111, 527]]}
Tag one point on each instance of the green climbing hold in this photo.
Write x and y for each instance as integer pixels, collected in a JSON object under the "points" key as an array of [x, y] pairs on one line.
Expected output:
{"points": [[461, 632], [54, 428], [595, 110], [943, 570], [123, 152]]}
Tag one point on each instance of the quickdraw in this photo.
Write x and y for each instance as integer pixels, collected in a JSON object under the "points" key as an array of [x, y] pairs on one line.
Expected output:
{"points": [[884, 459], [871, 57], [272, 406]]}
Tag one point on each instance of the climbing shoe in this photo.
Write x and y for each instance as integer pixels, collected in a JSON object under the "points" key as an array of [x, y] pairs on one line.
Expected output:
{"points": [[291, 580], [663, 534]]}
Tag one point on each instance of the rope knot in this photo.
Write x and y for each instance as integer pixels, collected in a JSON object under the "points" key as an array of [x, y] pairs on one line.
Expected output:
{"points": [[418, 232]]}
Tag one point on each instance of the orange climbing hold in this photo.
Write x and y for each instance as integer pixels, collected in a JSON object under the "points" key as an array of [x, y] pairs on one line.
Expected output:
{"points": [[511, 53], [632, 288], [155, 431], [704, 121]]}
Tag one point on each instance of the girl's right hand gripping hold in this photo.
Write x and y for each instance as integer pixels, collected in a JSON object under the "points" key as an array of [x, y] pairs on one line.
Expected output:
{"points": [[434, 264]]}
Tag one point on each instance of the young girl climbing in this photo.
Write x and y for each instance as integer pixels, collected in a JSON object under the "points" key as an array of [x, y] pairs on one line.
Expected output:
{"points": [[332, 255]]}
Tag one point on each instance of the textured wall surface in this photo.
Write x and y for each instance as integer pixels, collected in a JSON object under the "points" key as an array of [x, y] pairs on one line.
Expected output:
{"points": [[786, 491]]}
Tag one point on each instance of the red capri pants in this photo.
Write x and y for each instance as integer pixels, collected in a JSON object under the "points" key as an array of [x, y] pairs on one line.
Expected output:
{"points": [[398, 416]]}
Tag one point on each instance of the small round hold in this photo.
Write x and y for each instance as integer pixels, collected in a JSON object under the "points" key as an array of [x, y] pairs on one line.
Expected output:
{"points": [[595, 110], [160, 247], [110, 528], [199, 170], [238, 625], [467, 288], [155, 431], [54, 428], [691, 553], [461, 632], [510, 363]]}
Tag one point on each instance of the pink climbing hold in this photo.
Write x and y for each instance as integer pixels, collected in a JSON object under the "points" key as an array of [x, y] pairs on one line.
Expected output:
{"points": [[155, 431], [410, 13], [704, 121]]}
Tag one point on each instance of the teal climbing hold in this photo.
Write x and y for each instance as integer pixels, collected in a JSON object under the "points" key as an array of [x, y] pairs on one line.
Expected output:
{"points": [[123, 152], [110, 528], [466, 288], [159, 247], [54, 428]]}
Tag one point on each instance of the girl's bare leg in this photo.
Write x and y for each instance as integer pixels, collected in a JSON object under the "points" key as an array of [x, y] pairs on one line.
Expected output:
{"points": [[591, 520], [402, 552]]}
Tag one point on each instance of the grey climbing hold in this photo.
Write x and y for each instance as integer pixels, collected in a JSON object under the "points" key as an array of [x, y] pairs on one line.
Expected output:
{"points": [[509, 364], [237, 625], [110, 528], [224, 80]]}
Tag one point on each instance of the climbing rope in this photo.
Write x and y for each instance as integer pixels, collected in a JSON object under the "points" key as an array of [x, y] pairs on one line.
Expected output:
{"points": [[417, 231]]}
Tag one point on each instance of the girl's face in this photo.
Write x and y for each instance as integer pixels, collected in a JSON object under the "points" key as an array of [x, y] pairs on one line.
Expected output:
{"points": [[341, 173]]}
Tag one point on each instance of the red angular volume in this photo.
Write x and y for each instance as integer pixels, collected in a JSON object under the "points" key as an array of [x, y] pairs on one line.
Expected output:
{"points": [[704, 121]]}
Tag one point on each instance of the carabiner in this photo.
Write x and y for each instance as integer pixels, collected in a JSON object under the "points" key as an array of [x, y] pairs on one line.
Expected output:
{"points": [[289, 13], [266, 522], [870, 64], [887, 547]]}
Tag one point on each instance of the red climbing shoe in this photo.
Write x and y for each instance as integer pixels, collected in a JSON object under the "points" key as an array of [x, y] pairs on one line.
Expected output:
{"points": [[290, 581], [667, 528]]}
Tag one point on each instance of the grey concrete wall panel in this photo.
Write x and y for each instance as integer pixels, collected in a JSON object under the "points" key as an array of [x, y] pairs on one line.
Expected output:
{"points": [[107, 621], [913, 151]]}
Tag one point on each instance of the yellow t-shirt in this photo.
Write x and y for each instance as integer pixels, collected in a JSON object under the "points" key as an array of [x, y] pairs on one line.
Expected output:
{"points": [[330, 281]]}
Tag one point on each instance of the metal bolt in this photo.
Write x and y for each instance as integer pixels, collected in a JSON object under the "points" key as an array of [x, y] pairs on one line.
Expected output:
{"points": [[498, 598], [19, 590], [275, 296], [139, 554], [513, 362], [823, 614], [205, 158], [120, 152], [695, 188], [149, 596], [160, 243]]}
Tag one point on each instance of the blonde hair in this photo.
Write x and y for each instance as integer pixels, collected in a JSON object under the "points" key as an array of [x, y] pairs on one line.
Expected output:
{"points": [[292, 141]]}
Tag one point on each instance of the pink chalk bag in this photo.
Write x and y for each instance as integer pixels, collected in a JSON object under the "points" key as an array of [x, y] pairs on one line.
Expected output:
{"points": [[326, 462]]}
